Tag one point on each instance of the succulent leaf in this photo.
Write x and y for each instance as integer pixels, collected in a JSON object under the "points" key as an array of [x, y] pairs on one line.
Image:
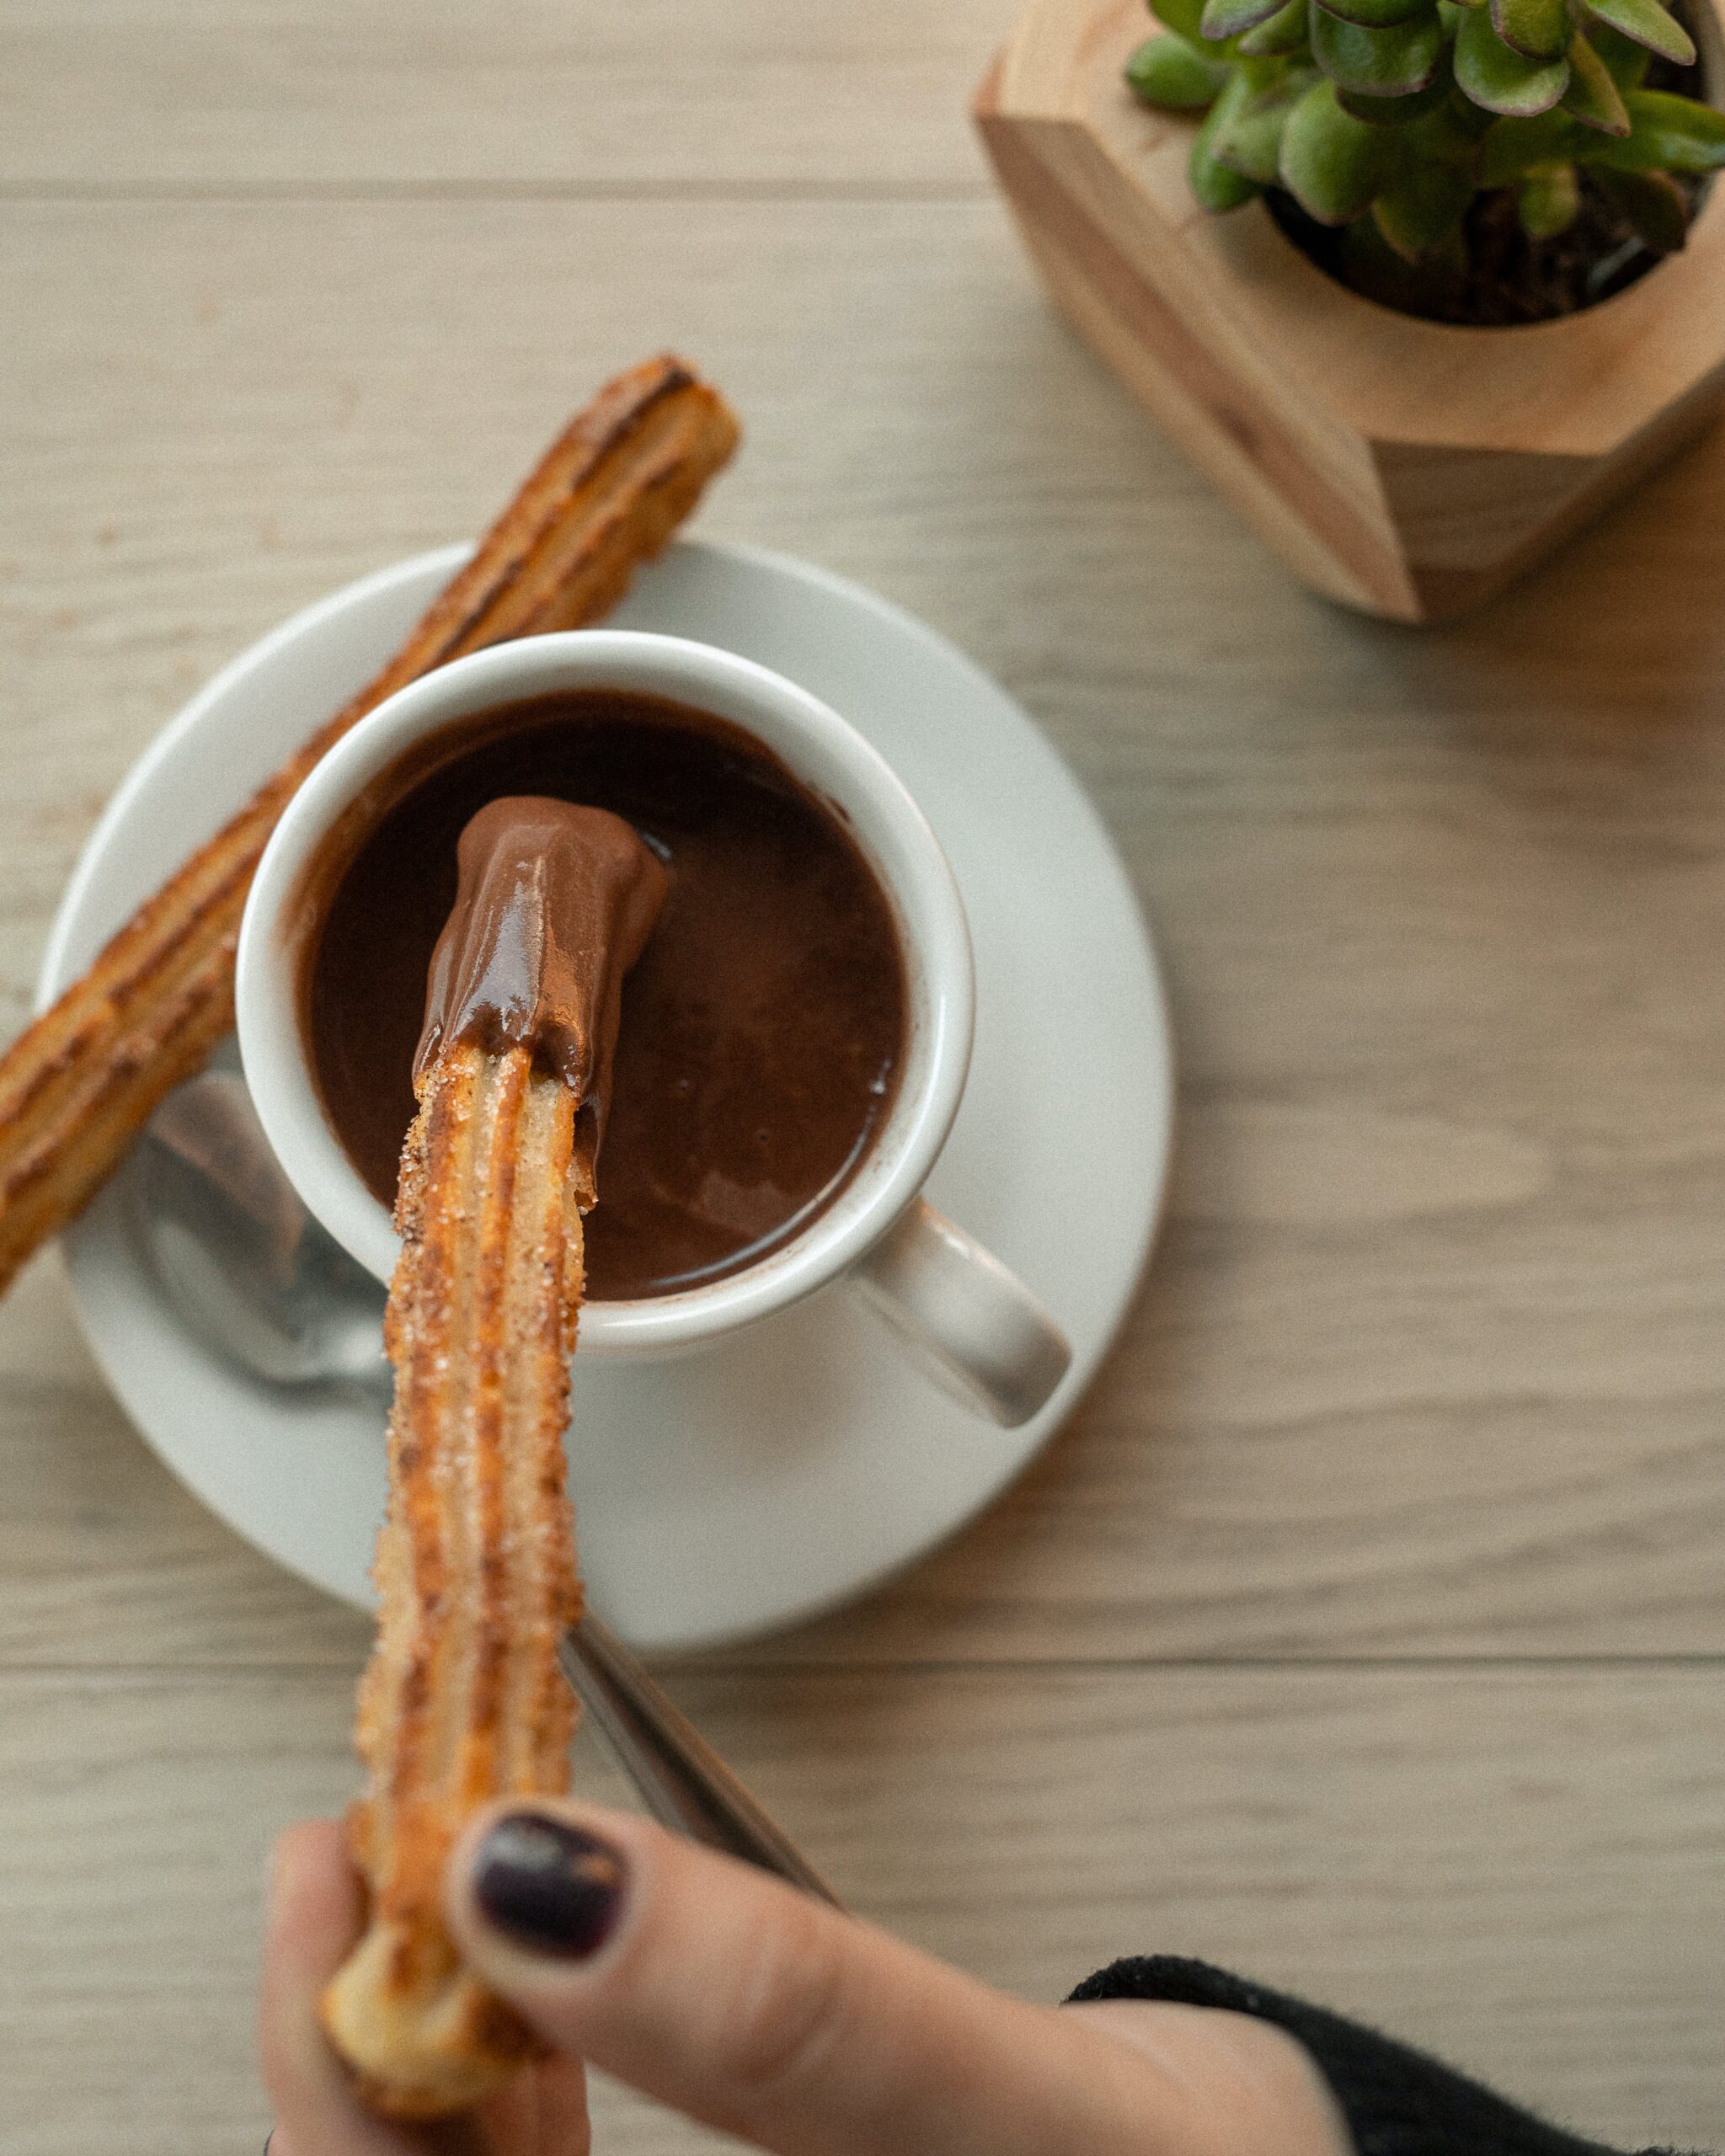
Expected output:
{"points": [[1475, 121], [1654, 205], [1183, 17], [1215, 187], [1420, 212], [1548, 201], [1538, 30], [1167, 71], [1515, 148], [1212, 185], [1650, 24], [1447, 137], [1226, 18], [1666, 134], [1391, 63], [1285, 31], [1262, 75], [1397, 112], [1374, 14], [1249, 139], [1331, 163], [1625, 61], [1592, 97], [1497, 78]]}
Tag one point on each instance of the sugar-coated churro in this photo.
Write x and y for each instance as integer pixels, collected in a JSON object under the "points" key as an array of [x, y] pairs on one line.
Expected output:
{"points": [[462, 1701], [475, 1567], [78, 1084]]}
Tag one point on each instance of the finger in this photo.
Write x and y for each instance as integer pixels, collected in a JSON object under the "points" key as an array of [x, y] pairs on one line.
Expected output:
{"points": [[542, 2113], [315, 1914], [724, 1993], [1249, 2084]]}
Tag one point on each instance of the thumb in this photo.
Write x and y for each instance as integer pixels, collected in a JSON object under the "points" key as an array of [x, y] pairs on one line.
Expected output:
{"points": [[725, 1994]]}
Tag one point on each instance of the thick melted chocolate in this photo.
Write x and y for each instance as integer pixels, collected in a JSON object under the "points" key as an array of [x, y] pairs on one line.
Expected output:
{"points": [[762, 1027], [553, 904]]}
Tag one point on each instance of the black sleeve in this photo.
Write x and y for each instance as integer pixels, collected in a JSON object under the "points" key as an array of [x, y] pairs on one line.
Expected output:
{"points": [[1396, 2101]]}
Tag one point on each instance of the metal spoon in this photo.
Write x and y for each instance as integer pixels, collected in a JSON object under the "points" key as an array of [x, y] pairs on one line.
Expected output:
{"points": [[246, 1269]]}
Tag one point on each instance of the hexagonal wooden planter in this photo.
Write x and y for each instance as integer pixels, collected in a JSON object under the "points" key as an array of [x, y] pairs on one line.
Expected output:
{"points": [[1407, 467]]}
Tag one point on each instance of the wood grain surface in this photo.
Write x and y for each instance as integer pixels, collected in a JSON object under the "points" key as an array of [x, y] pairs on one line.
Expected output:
{"points": [[1506, 1861], [1364, 1627]]}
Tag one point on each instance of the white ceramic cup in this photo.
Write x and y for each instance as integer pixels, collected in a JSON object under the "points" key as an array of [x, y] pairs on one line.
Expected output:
{"points": [[969, 1321]]}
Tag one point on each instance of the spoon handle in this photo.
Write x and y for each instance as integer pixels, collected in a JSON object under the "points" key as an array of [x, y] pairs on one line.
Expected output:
{"points": [[680, 1779]]}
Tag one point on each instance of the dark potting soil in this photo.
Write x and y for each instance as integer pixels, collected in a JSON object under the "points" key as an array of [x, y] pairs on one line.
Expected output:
{"points": [[1509, 280]]}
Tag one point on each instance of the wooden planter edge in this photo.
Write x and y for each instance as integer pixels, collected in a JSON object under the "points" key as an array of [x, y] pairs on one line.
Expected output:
{"points": [[1406, 467]]}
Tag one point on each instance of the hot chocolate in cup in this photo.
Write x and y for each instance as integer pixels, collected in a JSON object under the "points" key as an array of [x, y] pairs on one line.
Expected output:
{"points": [[877, 1080]]}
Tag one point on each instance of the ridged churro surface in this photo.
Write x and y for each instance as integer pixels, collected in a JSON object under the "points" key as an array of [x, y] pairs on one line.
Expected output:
{"points": [[78, 1084], [463, 1700]]}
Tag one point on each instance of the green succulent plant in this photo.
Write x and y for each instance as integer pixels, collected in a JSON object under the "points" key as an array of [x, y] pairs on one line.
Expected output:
{"points": [[1403, 111]]}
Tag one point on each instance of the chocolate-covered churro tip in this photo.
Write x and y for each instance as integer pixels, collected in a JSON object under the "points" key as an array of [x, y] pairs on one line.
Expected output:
{"points": [[553, 906]]}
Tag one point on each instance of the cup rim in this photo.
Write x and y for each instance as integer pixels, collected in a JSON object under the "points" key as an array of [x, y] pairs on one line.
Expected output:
{"points": [[828, 755]]}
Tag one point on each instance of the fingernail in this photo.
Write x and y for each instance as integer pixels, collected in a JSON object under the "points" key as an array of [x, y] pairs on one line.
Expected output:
{"points": [[550, 1887]]}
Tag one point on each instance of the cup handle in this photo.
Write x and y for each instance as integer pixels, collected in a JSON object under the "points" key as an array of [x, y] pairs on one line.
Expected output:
{"points": [[974, 1325]]}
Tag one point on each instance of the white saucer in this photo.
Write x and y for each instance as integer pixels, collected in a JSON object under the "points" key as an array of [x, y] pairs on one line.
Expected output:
{"points": [[743, 1488]]}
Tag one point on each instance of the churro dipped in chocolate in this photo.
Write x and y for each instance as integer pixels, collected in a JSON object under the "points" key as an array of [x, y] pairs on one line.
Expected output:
{"points": [[554, 906], [463, 1700], [80, 1083]]}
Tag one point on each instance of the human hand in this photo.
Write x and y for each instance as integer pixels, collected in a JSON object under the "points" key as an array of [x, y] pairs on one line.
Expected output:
{"points": [[315, 1914], [731, 1996]]}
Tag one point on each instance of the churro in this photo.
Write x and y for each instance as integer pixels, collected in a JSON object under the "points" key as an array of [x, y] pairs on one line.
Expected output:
{"points": [[463, 1700], [78, 1086]]}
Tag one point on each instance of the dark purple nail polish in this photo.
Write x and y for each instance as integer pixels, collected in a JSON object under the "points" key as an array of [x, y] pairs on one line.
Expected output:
{"points": [[550, 1887]]}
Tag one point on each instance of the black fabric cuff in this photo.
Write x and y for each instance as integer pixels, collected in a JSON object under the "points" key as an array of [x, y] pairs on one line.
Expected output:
{"points": [[1396, 2101]]}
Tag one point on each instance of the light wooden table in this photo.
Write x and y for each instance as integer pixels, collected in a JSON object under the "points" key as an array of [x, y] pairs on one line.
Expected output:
{"points": [[1364, 1629]]}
